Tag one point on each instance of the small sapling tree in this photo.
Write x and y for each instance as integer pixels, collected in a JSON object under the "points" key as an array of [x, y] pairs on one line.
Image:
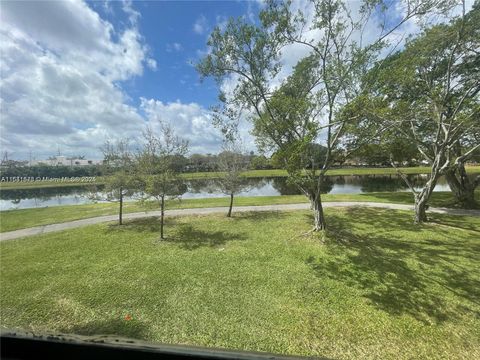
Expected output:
{"points": [[156, 166]]}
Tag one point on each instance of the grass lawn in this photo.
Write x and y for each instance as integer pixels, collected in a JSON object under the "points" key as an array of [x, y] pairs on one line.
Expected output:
{"points": [[19, 219], [250, 173], [331, 172], [377, 287], [45, 184]]}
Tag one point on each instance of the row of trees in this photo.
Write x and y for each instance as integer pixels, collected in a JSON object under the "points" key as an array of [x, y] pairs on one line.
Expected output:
{"points": [[347, 95], [373, 155], [150, 171], [18, 168], [213, 162], [184, 163], [427, 95], [153, 172]]}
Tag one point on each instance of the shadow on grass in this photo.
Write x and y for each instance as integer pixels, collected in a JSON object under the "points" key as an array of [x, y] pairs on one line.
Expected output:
{"points": [[378, 218], [190, 238], [141, 225], [417, 276], [438, 199], [184, 235], [455, 222], [259, 215], [134, 329], [399, 197]]}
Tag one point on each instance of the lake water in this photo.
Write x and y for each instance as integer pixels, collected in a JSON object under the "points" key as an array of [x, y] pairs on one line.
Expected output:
{"points": [[33, 198]]}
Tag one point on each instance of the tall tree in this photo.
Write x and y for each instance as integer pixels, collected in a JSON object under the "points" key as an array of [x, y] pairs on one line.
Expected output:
{"points": [[156, 166], [289, 119], [428, 94]]}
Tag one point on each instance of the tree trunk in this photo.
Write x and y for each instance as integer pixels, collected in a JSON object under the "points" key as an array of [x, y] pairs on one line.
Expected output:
{"points": [[231, 205], [421, 208], [319, 218], [462, 187], [120, 210], [421, 200], [162, 215]]}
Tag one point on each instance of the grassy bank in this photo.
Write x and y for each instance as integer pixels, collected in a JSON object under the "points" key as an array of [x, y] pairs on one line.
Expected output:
{"points": [[19, 219], [250, 174], [45, 184], [378, 287], [331, 172]]}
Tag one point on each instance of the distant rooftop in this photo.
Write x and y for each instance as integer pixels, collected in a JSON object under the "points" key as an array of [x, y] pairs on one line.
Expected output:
{"points": [[66, 161]]}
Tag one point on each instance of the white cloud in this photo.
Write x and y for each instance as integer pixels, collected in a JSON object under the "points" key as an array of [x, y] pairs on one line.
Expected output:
{"points": [[201, 25], [61, 75], [61, 64], [192, 122], [106, 5], [133, 15], [152, 64], [171, 47]]}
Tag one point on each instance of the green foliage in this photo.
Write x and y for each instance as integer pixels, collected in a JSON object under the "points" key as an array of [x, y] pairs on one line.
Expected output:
{"points": [[428, 93], [382, 152], [233, 166], [156, 167], [307, 106], [49, 171], [286, 125], [118, 169], [260, 162]]}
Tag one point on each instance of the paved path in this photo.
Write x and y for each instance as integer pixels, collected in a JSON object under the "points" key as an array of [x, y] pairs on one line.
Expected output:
{"points": [[201, 211]]}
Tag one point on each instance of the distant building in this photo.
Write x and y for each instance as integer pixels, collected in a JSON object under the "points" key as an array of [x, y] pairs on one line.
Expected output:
{"points": [[65, 161]]}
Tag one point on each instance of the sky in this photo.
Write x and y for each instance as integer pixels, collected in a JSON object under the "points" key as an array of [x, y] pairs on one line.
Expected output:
{"points": [[76, 73]]}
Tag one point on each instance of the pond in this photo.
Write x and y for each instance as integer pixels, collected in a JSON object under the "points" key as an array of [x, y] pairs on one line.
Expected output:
{"points": [[267, 186]]}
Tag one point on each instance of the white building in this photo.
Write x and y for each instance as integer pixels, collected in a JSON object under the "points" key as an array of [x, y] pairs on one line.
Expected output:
{"points": [[64, 161]]}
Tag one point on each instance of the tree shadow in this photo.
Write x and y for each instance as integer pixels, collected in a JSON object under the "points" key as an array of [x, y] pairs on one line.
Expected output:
{"points": [[134, 329], [141, 225], [190, 238], [416, 276], [177, 232], [394, 196], [259, 215], [381, 219], [455, 221]]}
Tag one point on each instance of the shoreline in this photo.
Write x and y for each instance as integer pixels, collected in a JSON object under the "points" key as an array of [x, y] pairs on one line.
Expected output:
{"points": [[419, 170]]}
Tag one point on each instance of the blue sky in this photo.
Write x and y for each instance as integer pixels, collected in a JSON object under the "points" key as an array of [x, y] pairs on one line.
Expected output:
{"points": [[176, 33], [76, 73]]}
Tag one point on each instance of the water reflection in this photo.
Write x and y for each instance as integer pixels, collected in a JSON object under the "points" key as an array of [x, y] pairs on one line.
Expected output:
{"points": [[283, 187], [202, 188]]}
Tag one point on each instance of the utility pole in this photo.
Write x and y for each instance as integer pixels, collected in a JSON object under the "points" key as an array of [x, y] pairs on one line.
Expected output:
{"points": [[5, 158]]}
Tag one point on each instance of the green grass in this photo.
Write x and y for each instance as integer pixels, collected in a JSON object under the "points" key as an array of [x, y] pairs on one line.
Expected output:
{"points": [[250, 174], [19, 219], [331, 172], [45, 184], [376, 287]]}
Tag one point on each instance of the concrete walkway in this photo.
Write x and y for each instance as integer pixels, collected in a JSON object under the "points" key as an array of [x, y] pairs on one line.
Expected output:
{"points": [[203, 211]]}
